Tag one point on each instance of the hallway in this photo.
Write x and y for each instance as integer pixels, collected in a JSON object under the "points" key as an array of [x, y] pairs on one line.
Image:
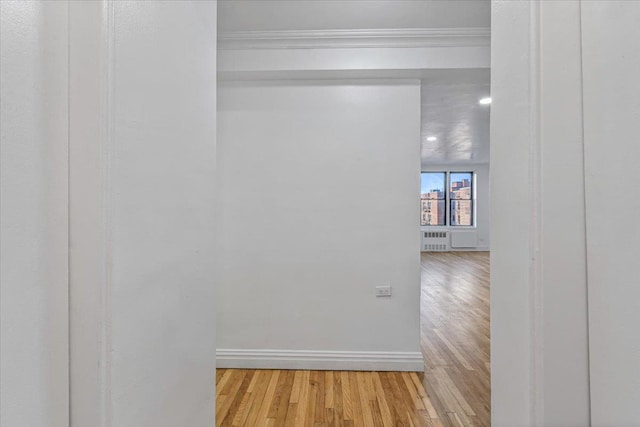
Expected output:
{"points": [[200, 184], [453, 391]]}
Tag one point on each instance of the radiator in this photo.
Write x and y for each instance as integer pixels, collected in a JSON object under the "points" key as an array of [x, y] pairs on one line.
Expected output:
{"points": [[435, 241], [464, 239]]}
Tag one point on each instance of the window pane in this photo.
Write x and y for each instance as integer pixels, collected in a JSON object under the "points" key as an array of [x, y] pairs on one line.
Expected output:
{"points": [[460, 185], [432, 212], [432, 186], [461, 212]]}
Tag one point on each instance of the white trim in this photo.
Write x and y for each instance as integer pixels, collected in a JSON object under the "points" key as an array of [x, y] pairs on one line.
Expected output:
{"points": [[373, 38], [92, 89], [536, 307], [516, 311], [106, 170], [320, 360], [473, 249]]}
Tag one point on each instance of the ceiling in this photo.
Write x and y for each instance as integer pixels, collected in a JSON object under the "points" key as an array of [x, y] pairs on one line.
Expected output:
{"points": [[264, 15], [451, 113]]}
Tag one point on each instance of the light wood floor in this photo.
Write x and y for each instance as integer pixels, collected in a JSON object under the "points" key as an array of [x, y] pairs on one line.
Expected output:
{"points": [[453, 391], [455, 336]]}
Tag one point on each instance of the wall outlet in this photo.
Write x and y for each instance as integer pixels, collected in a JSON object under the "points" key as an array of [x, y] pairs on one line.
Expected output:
{"points": [[383, 291]]}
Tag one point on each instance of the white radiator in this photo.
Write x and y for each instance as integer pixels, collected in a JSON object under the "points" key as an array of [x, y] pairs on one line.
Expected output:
{"points": [[464, 239], [435, 241]]}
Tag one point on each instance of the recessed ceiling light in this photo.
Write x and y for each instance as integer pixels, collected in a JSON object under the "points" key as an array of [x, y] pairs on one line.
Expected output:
{"points": [[432, 138], [485, 101]]}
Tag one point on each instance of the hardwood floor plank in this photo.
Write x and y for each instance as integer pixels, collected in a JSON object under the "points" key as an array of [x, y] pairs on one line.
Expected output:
{"points": [[381, 397], [338, 394], [346, 396], [219, 374], [303, 401], [433, 414], [445, 380], [356, 402], [220, 386], [280, 403], [454, 350], [226, 409], [297, 386], [290, 421], [415, 398], [320, 401], [260, 394], [399, 403], [312, 396], [376, 414], [367, 414], [247, 401], [328, 397], [268, 398]]}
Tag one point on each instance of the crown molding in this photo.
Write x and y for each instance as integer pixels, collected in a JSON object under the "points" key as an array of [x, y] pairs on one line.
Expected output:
{"points": [[376, 38]]}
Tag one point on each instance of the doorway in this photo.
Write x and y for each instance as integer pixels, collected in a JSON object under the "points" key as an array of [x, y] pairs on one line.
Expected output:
{"points": [[319, 173], [454, 230]]}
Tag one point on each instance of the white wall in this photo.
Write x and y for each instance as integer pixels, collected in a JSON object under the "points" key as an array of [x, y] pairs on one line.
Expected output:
{"points": [[33, 215], [239, 15], [142, 152], [564, 120], [560, 275], [318, 204], [611, 61], [162, 227], [287, 61], [482, 205]]}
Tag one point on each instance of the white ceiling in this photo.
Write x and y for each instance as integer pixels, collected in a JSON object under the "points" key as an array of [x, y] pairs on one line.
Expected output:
{"points": [[248, 15], [451, 113]]}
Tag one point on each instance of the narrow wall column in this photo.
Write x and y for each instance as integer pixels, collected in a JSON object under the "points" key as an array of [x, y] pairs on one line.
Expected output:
{"points": [[539, 336], [611, 66], [33, 214], [142, 165]]}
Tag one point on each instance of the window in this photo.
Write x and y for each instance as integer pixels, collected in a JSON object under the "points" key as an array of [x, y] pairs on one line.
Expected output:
{"points": [[433, 198], [461, 198], [443, 192]]}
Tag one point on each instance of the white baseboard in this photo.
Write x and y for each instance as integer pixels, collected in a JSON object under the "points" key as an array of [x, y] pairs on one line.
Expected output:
{"points": [[320, 360], [476, 249]]}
